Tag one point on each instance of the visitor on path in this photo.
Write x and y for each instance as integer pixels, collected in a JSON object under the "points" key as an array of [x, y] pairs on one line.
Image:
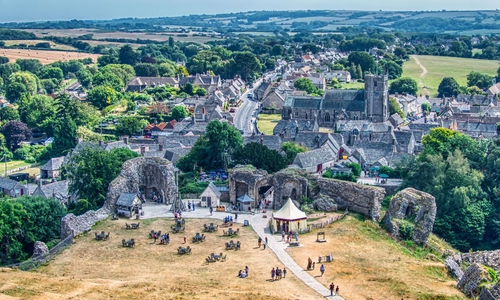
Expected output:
{"points": [[273, 272], [193, 206], [296, 236], [337, 290], [260, 241], [332, 288], [189, 205], [278, 273], [266, 239], [282, 236], [322, 269], [284, 272], [309, 264], [155, 237], [246, 270], [236, 217], [211, 210], [185, 239], [314, 265]]}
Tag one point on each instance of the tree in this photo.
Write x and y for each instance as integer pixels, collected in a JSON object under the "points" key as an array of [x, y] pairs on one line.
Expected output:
{"points": [[167, 69], [395, 108], [291, 150], [64, 131], [401, 53], [365, 60], [392, 69], [102, 96], [84, 76], [3, 60], [15, 132], [51, 73], [148, 70], [15, 234], [128, 126], [355, 168], [128, 56], [482, 81], [29, 65], [15, 91], [38, 111], [29, 81], [91, 170], [305, 84], [260, 157], [448, 87], [247, 64], [179, 112], [404, 85], [8, 113], [213, 150], [426, 107]]}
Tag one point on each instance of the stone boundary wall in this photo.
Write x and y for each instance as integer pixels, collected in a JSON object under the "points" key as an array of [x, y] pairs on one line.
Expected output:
{"points": [[72, 225], [37, 261], [359, 198], [327, 221]]}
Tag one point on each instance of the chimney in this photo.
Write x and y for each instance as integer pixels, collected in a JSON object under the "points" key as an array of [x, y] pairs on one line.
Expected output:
{"points": [[101, 143], [143, 150], [125, 140]]}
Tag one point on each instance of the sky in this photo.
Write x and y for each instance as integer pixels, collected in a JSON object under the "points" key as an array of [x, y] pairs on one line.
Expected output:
{"points": [[42, 10]]}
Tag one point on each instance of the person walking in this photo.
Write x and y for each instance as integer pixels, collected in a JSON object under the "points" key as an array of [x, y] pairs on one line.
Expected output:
{"points": [[246, 270], [322, 269], [273, 272], [155, 237], [309, 264], [236, 217], [193, 206], [260, 241], [337, 290], [185, 239], [211, 210], [332, 288], [284, 272], [282, 236]]}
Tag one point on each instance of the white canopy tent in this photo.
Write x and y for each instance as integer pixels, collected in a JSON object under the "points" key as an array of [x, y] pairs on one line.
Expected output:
{"points": [[289, 218]]}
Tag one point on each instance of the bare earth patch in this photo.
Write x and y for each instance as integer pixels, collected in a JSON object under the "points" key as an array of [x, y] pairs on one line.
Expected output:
{"points": [[45, 57], [105, 270]]}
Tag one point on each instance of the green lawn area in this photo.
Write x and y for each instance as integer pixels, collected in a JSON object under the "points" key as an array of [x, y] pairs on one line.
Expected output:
{"points": [[266, 123], [12, 165], [353, 85], [439, 67]]}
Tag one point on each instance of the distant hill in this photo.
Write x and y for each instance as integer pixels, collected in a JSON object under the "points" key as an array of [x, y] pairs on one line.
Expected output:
{"points": [[465, 22]]}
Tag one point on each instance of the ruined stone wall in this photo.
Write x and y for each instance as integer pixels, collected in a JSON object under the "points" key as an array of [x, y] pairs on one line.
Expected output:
{"points": [[144, 171], [359, 198], [288, 185], [72, 225], [247, 176]]}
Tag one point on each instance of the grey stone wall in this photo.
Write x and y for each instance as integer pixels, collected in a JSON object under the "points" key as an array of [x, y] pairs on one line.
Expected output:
{"points": [[72, 225], [359, 198]]}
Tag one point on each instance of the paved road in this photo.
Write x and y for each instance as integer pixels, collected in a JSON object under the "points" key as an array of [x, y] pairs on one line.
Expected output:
{"points": [[245, 115], [259, 224]]}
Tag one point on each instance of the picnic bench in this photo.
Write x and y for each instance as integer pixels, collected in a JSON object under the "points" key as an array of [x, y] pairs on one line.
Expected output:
{"points": [[227, 224], [214, 257], [129, 244], [132, 226], [153, 233], [178, 226], [198, 238], [294, 244], [231, 232], [210, 228], [327, 258], [320, 237], [182, 251], [233, 246], [101, 236]]}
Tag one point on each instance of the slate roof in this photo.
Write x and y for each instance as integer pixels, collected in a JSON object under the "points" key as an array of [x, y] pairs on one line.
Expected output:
{"points": [[214, 189], [272, 142], [290, 126], [307, 102], [53, 164], [126, 199], [245, 199], [348, 99], [175, 154], [314, 157], [8, 184], [151, 81], [58, 189]]}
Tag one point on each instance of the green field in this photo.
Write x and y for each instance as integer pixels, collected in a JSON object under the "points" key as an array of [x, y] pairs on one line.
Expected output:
{"points": [[438, 67], [266, 123]]}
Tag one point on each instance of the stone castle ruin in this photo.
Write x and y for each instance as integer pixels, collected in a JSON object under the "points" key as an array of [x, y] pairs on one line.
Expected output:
{"points": [[414, 205], [144, 174], [297, 184]]}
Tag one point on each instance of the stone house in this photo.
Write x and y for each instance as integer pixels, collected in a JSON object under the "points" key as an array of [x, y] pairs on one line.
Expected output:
{"points": [[58, 190], [210, 196], [140, 83], [273, 100], [340, 75], [316, 161], [208, 82], [128, 204], [52, 168], [12, 188]]}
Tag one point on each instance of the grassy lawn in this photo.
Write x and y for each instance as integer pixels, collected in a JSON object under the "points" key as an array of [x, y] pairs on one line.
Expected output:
{"points": [[266, 123], [105, 270], [439, 67], [369, 264], [353, 85], [12, 165]]}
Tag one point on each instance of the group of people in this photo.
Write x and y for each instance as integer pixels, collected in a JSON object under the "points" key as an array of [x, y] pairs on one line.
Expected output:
{"points": [[333, 289], [191, 205], [228, 219], [259, 241], [165, 238], [243, 273], [278, 273], [178, 214], [290, 236], [311, 265]]}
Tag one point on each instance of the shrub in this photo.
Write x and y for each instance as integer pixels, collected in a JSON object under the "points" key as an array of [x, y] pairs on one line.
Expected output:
{"points": [[405, 230]]}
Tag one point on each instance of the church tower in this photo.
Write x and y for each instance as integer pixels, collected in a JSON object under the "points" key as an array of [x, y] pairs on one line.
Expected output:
{"points": [[376, 97]]}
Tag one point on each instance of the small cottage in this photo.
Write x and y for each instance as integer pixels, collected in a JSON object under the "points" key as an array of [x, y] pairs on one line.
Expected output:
{"points": [[128, 204], [210, 196], [245, 203], [289, 218], [52, 169]]}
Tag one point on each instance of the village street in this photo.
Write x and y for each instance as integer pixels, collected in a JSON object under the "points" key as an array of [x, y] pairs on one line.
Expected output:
{"points": [[260, 224]]}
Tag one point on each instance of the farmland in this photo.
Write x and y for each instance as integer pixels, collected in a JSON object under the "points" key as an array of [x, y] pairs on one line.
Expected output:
{"points": [[104, 270], [45, 56], [428, 71], [53, 45]]}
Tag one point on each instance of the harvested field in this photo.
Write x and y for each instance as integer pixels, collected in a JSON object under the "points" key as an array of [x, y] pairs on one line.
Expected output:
{"points": [[105, 270], [368, 264], [34, 42], [45, 57]]}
